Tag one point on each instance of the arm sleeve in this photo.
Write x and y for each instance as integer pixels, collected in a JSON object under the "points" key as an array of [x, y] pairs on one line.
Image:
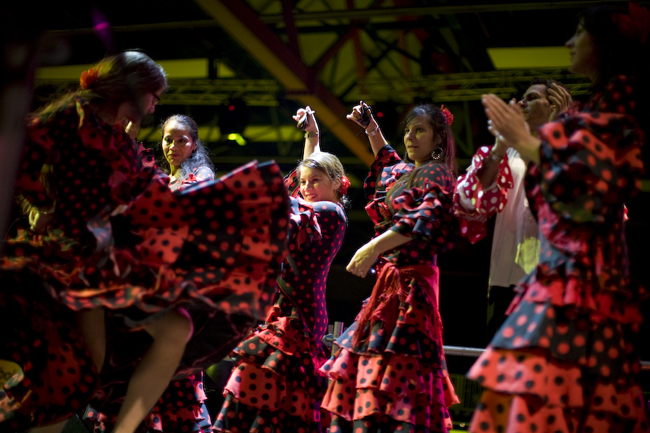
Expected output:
{"points": [[473, 204], [424, 211], [589, 161]]}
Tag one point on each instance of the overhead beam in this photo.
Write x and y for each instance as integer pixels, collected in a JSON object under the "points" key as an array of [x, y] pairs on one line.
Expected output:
{"points": [[298, 80], [394, 12]]}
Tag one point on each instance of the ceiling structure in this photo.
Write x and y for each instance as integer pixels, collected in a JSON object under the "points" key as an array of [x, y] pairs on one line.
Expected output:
{"points": [[266, 58]]}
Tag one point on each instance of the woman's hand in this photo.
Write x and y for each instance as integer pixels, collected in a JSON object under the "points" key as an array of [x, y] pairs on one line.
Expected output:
{"points": [[310, 125], [362, 116], [363, 259], [560, 98], [508, 124]]}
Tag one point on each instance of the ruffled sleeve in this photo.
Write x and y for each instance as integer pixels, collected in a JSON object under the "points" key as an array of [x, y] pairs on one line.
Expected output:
{"points": [[424, 211], [384, 172], [146, 155], [474, 204], [291, 181], [590, 160], [303, 225]]}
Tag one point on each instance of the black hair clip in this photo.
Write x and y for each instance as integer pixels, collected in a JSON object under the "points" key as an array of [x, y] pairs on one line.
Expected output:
{"points": [[366, 110], [302, 123]]}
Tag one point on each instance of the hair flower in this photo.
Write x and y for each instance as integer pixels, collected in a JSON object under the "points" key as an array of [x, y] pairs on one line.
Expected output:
{"points": [[89, 77], [345, 184], [447, 113], [635, 26]]}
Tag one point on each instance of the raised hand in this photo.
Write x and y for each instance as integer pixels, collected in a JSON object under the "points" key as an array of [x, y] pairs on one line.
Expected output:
{"points": [[509, 125], [306, 120], [560, 98], [362, 115]]}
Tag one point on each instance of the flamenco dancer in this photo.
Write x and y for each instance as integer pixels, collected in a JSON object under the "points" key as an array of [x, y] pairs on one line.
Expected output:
{"points": [[389, 371], [276, 384], [181, 407], [98, 249], [565, 359]]}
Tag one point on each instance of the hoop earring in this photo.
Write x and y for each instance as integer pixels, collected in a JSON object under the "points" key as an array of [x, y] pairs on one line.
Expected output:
{"points": [[438, 153]]}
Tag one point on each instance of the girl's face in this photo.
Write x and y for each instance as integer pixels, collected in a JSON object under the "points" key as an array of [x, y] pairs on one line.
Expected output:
{"points": [[317, 186], [584, 55], [177, 143], [419, 139]]}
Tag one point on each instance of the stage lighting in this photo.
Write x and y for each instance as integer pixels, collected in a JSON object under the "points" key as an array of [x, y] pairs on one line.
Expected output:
{"points": [[233, 119]]}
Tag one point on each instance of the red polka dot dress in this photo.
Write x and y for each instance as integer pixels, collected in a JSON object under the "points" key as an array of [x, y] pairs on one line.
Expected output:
{"points": [[181, 408], [277, 386], [389, 371], [565, 360], [216, 246], [473, 204]]}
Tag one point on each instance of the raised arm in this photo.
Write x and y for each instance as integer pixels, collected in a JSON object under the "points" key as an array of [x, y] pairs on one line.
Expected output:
{"points": [[307, 122], [362, 116]]}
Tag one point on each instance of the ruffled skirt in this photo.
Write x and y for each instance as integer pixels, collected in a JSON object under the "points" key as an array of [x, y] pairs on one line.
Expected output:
{"points": [[214, 249], [395, 377], [551, 368], [276, 384]]}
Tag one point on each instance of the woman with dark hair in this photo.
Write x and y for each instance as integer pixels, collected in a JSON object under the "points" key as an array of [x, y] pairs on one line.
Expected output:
{"points": [[276, 384], [565, 359], [388, 371], [181, 407], [109, 242], [185, 157]]}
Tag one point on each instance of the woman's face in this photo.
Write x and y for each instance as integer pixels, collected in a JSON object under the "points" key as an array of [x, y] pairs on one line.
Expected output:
{"points": [[419, 139], [177, 143], [317, 186], [584, 56]]}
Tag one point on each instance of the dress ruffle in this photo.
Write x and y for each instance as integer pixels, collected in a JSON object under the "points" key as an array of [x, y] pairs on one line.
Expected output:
{"points": [[181, 408], [474, 204], [277, 384], [397, 372], [58, 376], [565, 359], [186, 251]]}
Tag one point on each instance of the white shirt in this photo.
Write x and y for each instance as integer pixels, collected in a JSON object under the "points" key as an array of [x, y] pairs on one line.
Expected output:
{"points": [[515, 245]]}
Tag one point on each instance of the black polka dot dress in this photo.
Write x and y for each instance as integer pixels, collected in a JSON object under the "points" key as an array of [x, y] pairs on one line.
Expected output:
{"points": [[277, 386], [389, 371], [216, 246], [182, 406], [565, 359]]}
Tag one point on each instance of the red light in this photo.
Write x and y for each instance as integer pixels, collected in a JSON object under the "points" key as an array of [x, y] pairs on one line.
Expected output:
{"points": [[380, 114], [231, 107]]}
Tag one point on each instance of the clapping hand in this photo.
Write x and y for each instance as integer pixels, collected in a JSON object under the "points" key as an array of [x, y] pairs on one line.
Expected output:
{"points": [[560, 98]]}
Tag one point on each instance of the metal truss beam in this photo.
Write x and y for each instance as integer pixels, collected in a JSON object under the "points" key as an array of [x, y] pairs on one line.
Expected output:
{"points": [[298, 80], [443, 88], [466, 86]]}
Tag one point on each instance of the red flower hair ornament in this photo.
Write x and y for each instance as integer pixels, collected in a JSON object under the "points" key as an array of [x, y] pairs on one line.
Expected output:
{"points": [[635, 26], [345, 184], [89, 77], [447, 113]]}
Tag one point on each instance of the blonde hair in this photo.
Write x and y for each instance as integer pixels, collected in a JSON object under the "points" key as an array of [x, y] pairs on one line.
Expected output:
{"points": [[331, 166]]}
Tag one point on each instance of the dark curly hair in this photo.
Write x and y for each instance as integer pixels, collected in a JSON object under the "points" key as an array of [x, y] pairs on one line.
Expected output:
{"points": [[200, 156]]}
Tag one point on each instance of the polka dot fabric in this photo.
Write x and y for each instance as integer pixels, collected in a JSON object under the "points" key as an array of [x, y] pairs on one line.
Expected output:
{"points": [[181, 408], [58, 376], [167, 247], [474, 204], [216, 246], [276, 385], [565, 358], [388, 372], [198, 174]]}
